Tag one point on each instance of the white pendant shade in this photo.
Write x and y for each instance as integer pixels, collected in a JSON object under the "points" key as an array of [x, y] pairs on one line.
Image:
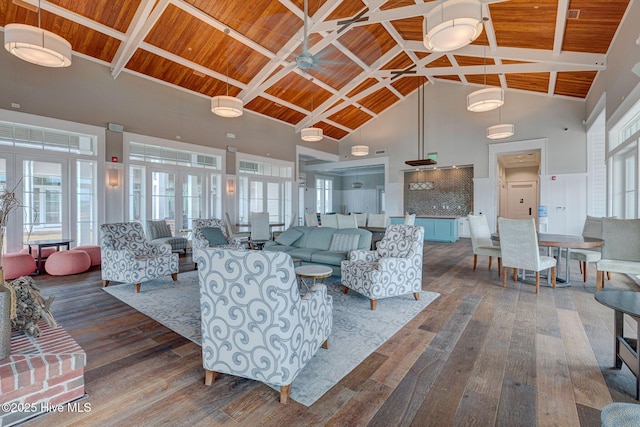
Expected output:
{"points": [[500, 131], [311, 134], [227, 106], [485, 99], [452, 25], [360, 150], [37, 46]]}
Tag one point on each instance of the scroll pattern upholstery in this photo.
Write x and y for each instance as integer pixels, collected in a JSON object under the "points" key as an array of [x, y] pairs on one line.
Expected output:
{"points": [[127, 256], [395, 268], [198, 241], [254, 322]]}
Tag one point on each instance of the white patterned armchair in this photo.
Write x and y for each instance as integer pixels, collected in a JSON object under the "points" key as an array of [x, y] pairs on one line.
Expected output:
{"points": [[394, 268], [127, 255], [200, 241], [255, 324]]}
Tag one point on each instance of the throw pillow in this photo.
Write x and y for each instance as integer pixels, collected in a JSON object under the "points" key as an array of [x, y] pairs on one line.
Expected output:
{"points": [[214, 236], [344, 242], [289, 237]]}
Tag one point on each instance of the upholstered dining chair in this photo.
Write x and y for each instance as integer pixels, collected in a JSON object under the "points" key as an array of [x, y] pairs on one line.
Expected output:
{"points": [[128, 257], [347, 221], [329, 220], [378, 220], [481, 241], [621, 250], [361, 219], [255, 324], [311, 219], [232, 231], [393, 269], [260, 231], [519, 250], [592, 228]]}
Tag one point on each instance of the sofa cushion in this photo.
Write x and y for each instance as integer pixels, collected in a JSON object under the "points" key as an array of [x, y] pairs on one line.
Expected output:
{"points": [[214, 236], [288, 237], [320, 238], [274, 247], [329, 257], [303, 253], [364, 242], [344, 242]]}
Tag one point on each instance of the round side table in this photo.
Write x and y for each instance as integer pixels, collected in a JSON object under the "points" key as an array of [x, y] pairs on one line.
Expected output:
{"points": [[310, 274]]}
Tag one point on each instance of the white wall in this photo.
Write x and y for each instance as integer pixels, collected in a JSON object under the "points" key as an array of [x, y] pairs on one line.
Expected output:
{"points": [[458, 136]]}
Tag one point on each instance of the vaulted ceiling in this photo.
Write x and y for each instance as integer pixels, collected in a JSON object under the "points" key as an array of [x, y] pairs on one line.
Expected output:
{"points": [[359, 47]]}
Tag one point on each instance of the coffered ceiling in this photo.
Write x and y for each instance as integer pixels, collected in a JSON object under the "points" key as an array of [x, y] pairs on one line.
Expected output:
{"points": [[359, 49]]}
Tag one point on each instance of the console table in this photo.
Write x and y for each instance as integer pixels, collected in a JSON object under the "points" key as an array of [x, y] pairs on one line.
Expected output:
{"points": [[625, 349]]}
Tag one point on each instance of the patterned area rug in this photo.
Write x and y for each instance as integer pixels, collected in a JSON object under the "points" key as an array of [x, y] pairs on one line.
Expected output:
{"points": [[357, 331]]}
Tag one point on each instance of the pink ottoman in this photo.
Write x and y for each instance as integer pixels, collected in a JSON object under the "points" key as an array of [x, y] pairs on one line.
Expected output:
{"points": [[67, 262], [17, 265], [34, 252], [93, 251]]}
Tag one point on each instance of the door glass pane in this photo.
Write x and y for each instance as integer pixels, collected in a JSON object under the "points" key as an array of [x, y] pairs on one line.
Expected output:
{"points": [[163, 204], [216, 196], [191, 199], [273, 201], [42, 197], [256, 196], [136, 193], [87, 202]]}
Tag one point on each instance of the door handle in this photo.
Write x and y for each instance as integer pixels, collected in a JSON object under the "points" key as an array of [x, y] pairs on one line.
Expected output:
{"points": [[529, 211]]}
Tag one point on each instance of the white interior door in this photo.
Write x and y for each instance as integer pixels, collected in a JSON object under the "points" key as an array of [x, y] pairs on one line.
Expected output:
{"points": [[522, 200]]}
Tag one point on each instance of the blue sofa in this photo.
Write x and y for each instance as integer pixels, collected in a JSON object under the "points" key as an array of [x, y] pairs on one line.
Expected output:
{"points": [[317, 245]]}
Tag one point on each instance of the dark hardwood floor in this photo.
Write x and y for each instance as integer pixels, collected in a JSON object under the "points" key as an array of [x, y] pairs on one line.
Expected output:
{"points": [[478, 355]]}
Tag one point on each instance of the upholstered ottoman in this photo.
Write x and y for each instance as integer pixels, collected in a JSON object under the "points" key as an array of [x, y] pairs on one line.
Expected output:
{"points": [[17, 264], [67, 262], [93, 251]]}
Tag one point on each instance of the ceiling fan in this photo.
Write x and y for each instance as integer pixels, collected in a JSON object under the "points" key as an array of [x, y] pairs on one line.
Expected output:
{"points": [[305, 60]]}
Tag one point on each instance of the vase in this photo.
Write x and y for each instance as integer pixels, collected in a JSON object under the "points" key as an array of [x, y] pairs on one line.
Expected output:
{"points": [[5, 319]]}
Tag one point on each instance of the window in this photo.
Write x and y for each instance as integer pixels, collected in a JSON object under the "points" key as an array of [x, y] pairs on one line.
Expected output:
{"points": [[264, 187], [54, 166], [172, 181], [622, 155], [324, 195]]}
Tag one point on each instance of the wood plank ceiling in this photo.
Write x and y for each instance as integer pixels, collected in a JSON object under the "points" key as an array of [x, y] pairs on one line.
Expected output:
{"points": [[527, 45]]}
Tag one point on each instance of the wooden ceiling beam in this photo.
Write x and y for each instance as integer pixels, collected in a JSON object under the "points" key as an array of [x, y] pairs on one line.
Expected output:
{"points": [[561, 23], [143, 21], [595, 60]]}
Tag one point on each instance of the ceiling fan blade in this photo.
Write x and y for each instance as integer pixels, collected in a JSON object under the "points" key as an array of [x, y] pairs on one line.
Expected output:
{"points": [[492, 1], [409, 70], [346, 23]]}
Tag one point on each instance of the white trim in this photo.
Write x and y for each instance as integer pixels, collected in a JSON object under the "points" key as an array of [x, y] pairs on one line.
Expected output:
{"points": [[600, 106], [629, 101], [514, 147], [129, 137]]}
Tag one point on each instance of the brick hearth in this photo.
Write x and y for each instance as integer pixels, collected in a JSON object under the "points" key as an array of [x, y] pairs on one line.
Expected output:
{"points": [[40, 373]]}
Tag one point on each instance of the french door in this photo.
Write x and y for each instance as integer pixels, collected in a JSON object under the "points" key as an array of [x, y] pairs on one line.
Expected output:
{"points": [[177, 197]]}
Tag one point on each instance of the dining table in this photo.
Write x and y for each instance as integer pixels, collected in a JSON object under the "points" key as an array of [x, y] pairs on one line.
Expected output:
{"points": [[563, 243]]}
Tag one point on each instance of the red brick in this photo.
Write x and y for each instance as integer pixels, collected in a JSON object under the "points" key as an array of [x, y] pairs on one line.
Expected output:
{"points": [[7, 380], [17, 395], [65, 378], [44, 395], [39, 369]]}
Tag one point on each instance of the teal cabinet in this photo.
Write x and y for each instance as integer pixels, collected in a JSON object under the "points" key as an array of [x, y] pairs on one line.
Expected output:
{"points": [[435, 229]]}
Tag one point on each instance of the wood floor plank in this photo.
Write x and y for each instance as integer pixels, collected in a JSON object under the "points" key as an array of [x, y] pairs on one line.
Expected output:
{"points": [[479, 354], [556, 404], [588, 383]]}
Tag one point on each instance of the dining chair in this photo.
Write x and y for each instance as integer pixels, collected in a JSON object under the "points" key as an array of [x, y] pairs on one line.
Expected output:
{"points": [[519, 250], [481, 241], [233, 232], [361, 219], [592, 228], [260, 231], [311, 219], [347, 221], [329, 220], [378, 220], [621, 250]]}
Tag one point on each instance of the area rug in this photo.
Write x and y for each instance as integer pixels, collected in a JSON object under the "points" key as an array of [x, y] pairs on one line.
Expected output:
{"points": [[357, 330]]}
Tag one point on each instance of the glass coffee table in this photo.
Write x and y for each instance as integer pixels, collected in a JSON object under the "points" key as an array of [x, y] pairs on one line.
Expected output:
{"points": [[310, 274]]}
